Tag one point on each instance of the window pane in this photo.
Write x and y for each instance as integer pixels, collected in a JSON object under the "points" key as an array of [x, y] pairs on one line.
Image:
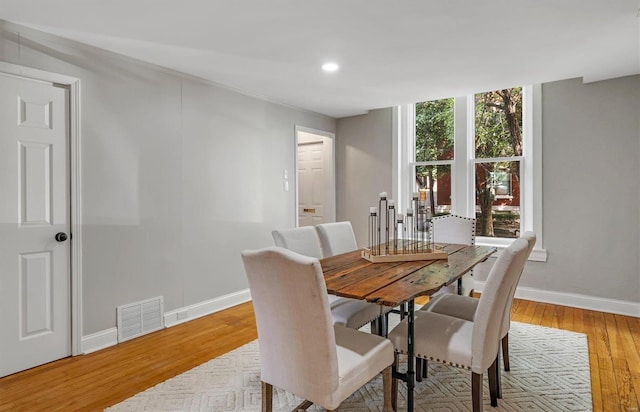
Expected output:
{"points": [[440, 202], [434, 130], [498, 199], [499, 123]]}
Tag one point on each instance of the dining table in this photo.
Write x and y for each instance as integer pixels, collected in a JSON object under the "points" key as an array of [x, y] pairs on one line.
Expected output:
{"points": [[397, 284]]}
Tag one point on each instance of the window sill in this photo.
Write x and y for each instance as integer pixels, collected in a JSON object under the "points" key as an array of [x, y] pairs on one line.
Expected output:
{"points": [[537, 255]]}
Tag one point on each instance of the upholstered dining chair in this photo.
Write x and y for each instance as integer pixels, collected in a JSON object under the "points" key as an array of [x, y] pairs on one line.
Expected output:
{"points": [[352, 313], [303, 240], [337, 238], [450, 229], [301, 351], [465, 307], [454, 229], [466, 344]]}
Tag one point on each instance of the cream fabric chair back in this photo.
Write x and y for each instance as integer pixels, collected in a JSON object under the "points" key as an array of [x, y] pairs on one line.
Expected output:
{"points": [[303, 240], [454, 229], [293, 318], [530, 237], [493, 301], [336, 238], [460, 230]]}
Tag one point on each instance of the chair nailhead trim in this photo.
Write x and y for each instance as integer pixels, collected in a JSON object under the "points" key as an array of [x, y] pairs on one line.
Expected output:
{"points": [[419, 355]]}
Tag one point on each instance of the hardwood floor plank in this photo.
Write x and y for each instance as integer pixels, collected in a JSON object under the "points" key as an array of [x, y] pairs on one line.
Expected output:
{"points": [[566, 322], [608, 388], [578, 320], [596, 387], [631, 353], [558, 315], [538, 312], [615, 345], [601, 336], [624, 387], [98, 380], [547, 316]]}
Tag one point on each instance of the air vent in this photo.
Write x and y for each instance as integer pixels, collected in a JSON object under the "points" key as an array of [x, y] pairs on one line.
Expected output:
{"points": [[139, 318]]}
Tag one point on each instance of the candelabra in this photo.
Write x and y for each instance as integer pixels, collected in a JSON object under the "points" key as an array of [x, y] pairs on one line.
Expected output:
{"points": [[394, 237]]}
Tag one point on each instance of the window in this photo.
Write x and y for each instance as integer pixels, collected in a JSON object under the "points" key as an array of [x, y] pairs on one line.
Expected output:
{"points": [[475, 156], [497, 157], [434, 154]]}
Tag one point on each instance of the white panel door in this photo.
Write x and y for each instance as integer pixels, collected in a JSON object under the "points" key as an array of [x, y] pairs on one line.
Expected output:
{"points": [[311, 184], [35, 281]]}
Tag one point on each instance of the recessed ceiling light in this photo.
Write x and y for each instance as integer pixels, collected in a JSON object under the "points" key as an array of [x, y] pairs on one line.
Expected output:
{"points": [[330, 67]]}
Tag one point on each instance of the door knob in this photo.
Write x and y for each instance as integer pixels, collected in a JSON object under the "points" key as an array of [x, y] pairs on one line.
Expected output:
{"points": [[61, 236]]}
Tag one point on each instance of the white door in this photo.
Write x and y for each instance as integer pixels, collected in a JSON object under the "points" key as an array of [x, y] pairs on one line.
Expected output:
{"points": [[311, 181], [35, 281]]}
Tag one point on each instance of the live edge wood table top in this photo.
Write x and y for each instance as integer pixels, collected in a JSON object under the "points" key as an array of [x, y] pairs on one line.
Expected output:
{"points": [[392, 284]]}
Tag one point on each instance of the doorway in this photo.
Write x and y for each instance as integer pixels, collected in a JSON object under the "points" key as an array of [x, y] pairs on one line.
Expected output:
{"points": [[315, 177], [40, 289]]}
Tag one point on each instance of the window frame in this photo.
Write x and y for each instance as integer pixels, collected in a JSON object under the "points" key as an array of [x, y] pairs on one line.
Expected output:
{"points": [[464, 160]]}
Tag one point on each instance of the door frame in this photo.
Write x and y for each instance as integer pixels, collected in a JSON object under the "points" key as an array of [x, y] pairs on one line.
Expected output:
{"points": [[73, 85], [331, 216]]}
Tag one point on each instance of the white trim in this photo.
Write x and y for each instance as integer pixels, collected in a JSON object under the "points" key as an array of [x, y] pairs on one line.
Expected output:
{"points": [[536, 150], [109, 337], [99, 340], [498, 159], [75, 160], [75, 201], [574, 300], [405, 117], [36, 74], [461, 185], [396, 145], [537, 255], [330, 213], [206, 307]]}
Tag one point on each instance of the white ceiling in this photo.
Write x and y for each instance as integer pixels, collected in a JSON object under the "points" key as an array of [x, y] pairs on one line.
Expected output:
{"points": [[389, 51]]}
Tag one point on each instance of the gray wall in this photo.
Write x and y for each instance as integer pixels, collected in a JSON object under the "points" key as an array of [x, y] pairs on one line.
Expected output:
{"points": [[178, 176], [591, 194], [591, 164], [363, 167]]}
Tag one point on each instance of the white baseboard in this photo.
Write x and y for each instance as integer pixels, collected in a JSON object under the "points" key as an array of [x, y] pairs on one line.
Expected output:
{"points": [[620, 307], [99, 340], [187, 313], [109, 337]]}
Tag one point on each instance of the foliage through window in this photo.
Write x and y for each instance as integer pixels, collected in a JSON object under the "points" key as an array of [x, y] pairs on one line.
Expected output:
{"points": [[433, 154], [498, 136], [496, 156]]}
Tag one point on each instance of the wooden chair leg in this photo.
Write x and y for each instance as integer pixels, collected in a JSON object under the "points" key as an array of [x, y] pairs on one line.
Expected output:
{"points": [[505, 352], [394, 384], [498, 377], [387, 385], [304, 405], [476, 391], [493, 384], [421, 369], [267, 397]]}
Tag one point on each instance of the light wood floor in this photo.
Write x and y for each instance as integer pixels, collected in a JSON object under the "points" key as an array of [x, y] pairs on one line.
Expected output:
{"points": [[95, 381]]}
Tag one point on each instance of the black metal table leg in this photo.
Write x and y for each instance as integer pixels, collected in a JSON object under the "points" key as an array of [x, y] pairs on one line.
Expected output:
{"points": [[410, 357]]}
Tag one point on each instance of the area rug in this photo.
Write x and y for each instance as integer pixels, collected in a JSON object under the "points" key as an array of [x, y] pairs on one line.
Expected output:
{"points": [[549, 372]]}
